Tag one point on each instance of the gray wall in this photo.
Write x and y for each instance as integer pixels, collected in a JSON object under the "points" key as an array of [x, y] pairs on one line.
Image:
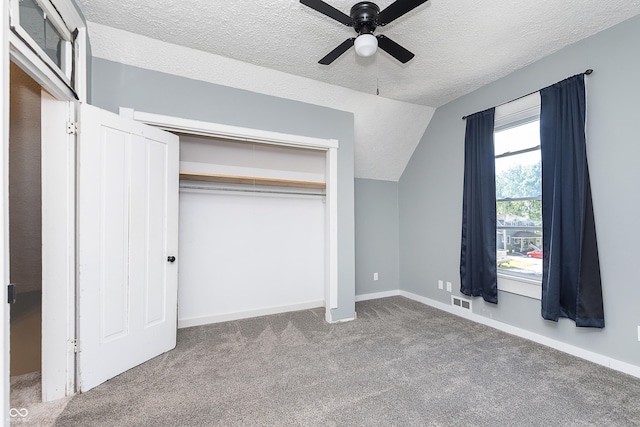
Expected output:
{"points": [[377, 244], [430, 191], [115, 85]]}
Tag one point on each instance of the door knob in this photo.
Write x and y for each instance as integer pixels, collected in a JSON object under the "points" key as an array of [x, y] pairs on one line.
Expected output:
{"points": [[171, 258]]}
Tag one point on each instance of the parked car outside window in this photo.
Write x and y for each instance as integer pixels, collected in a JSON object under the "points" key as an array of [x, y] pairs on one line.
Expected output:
{"points": [[535, 253]]}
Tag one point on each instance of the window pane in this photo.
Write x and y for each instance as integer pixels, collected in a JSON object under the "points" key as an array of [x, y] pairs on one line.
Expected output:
{"points": [[53, 43], [519, 238], [518, 175], [517, 138], [519, 213], [519, 248], [519, 221], [34, 21]]}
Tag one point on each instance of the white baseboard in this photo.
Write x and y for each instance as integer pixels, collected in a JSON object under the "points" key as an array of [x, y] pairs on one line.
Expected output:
{"points": [[377, 295], [348, 319], [600, 359], [217, 318]]}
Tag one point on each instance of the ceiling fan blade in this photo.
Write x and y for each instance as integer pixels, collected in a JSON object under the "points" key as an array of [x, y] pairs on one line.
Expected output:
{"points": [[397, 9], [328, 10], [394, 49], [335, 53]]}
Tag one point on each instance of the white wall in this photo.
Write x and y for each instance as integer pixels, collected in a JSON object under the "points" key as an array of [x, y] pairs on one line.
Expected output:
{"points": [[217, 156], [246, 254]]}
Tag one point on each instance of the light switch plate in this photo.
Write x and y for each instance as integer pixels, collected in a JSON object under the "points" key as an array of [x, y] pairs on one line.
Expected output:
{"points": [[440, 284], [448, 286]]}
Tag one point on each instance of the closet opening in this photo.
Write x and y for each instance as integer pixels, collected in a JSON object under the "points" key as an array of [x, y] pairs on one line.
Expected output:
{"points": [[201, 134], [252, 229]]}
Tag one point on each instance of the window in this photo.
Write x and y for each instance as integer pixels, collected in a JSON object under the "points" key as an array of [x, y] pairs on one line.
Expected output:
{"points": [[519, 194], [40, 25]]}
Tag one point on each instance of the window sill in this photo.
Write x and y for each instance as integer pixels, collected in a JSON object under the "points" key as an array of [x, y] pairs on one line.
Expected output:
{"points": [[520, 286]]}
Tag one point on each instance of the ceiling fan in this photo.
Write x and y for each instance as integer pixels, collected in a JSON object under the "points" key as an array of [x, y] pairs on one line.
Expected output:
{"points": [[365, 18]]}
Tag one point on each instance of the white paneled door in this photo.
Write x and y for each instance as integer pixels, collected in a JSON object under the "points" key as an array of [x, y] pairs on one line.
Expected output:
{"points": [[127, 244]]}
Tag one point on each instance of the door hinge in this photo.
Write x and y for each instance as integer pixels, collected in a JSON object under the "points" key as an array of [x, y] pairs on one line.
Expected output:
{"points": [[72, 128], [11, 293], [74, 343]]}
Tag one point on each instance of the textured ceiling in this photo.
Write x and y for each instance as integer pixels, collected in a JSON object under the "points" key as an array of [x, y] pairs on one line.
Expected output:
{"points": [[452, 40], [273, 46]]}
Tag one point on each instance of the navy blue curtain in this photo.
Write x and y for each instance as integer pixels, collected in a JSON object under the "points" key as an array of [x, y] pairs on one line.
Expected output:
{"points": [[571, 284], [478, 271]]}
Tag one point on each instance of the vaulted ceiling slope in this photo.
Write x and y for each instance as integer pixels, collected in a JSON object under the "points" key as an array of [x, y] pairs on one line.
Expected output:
{"points": [[459, 45]]}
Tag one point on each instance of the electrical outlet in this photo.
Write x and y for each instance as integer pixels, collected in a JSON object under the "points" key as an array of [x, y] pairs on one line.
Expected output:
{"points": [[440, 284], [375, 276], [448, 286], [638, 333]]}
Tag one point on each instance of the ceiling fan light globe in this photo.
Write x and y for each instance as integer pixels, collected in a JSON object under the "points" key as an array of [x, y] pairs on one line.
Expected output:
{"points": [[366, 45]]}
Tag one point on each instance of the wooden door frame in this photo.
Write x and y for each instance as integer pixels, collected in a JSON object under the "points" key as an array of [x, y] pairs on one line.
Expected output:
{"points": [[330, 146]]}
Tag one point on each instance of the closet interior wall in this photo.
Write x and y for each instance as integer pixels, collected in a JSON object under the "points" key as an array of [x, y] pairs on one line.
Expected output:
{"points": [[252, 229]]}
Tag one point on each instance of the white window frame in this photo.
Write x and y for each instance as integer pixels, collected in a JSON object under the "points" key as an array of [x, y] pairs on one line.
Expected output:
{"points": [[512, 114], [34, 61]]}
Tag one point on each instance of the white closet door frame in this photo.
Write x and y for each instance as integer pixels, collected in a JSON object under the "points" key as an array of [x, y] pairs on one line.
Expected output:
{"points": [[196, 127]]}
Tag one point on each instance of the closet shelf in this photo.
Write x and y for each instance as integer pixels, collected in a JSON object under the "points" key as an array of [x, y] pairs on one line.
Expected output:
{"points": [[247, 180]]}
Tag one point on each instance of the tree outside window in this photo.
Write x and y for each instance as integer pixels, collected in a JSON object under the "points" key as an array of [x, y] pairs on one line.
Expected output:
{"points": [[519, 200]]}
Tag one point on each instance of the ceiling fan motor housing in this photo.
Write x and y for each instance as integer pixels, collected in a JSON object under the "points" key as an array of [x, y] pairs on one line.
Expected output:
{"points": [[365, 17]]}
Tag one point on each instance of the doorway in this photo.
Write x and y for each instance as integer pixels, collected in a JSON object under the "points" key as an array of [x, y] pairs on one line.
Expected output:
{"points": [[25, 237], [37, 127], [25, 222]]}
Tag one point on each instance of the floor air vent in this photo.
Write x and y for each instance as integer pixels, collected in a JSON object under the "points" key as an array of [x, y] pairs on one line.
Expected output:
{"points": [[462, 303]]}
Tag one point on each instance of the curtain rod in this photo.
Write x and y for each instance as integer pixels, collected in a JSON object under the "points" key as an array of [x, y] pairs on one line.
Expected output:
{"points": [[589, 71]]}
